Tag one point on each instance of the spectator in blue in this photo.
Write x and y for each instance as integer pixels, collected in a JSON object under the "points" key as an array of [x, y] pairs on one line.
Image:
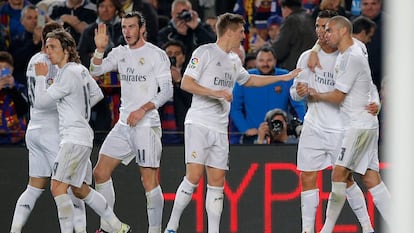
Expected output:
{"points": [[250, 104], [10, 14]]}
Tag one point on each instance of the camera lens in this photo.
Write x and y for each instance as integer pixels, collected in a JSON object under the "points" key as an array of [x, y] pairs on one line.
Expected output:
{"points": [[276, 126], [185, 15]]}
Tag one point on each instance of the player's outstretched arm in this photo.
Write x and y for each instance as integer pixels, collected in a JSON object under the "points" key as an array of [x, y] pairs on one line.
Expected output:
{"points": [[263, 80]]}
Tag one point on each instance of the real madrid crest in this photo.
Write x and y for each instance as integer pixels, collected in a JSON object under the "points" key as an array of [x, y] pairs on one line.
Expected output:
{"points": [[141, 61]]}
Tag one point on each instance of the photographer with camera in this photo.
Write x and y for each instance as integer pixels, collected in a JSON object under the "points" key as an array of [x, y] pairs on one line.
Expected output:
{"points": [[275, 129], [186, 26]]}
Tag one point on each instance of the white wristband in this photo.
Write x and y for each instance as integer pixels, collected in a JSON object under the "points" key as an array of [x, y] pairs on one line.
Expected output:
{"points": [[98, 54]]}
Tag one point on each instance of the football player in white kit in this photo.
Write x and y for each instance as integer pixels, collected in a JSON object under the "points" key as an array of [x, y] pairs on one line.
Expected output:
{"points": [[359, 147], [144, 69], [322, 132], [210, 76], [42, 150], [75, 91]]}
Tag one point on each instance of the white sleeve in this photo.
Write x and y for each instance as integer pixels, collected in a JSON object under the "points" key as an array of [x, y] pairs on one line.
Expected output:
{"points": [[374, 94], [109, 63], [164, 80], [95, 91], [304, 76], [41, 99], [196, 65]]}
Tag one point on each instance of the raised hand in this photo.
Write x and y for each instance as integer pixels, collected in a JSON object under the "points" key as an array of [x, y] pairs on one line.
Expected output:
{"points": [[101, 38]]}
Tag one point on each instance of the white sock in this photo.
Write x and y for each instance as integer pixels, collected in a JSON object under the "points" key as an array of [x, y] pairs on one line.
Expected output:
{"points": [[155, 205], [214, 207], [98, 203], [356, 200], [79, 213], [65, 212], [24, 207], [309, 205], [107, 190], [382, 199], [182, 198], [335, 204]]}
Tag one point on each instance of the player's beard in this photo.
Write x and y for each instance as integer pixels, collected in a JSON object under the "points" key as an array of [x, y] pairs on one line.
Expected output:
{"points": [[136, 41]]}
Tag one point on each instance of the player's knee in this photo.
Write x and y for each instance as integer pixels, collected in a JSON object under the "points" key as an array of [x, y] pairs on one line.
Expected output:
{"points": [[371, 179], [340, 174], [101, 175], [308, 180]]}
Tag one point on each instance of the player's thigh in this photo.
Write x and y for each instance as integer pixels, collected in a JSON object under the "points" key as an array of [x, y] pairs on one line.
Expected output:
{"points": [[146, 146], [196, 144], [358, 150], [117, 144], [317, 149], [42, 151], [73, 165], [218, 153]]}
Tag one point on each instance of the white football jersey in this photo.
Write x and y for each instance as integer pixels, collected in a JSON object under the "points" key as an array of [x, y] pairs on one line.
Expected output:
{"points": [[323, 115], [145, 77], [353, 77], [213, 68], [76, 92], [43, 112]]}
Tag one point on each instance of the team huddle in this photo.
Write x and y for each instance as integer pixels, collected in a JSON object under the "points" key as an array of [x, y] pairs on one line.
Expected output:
{"points": [[340, 126]]}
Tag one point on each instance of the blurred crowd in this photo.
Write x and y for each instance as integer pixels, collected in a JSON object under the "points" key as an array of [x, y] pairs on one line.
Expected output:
{"points": [[277, 33]]}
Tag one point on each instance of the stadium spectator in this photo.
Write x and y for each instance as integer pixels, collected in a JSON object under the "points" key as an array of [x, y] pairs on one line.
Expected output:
{"points": [[372, 9], [296, 34], [13, 103], [75, 15], [10, 15], [186, 26], [23, 47]]}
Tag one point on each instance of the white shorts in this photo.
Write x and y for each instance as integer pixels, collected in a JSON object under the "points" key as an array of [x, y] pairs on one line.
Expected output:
{"points": [[142, 143], [359, 150], [317, 149], [204, 146], [73, 165], [42, 151]]}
